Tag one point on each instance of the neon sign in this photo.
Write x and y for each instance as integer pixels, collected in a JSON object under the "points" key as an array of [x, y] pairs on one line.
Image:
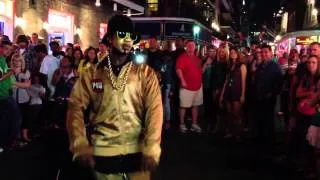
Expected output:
{"points": [[306, 40]]}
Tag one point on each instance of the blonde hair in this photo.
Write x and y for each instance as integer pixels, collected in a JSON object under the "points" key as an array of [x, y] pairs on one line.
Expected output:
{"points": [[17, 58], [226, 51]]}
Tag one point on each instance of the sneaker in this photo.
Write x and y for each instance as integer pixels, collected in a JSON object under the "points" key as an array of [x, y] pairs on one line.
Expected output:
{"points": [[183, 128], [196, 128]]}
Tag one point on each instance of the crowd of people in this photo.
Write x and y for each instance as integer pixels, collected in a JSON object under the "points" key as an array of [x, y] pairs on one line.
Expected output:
{"points": [[35, 86], [238, 88]]}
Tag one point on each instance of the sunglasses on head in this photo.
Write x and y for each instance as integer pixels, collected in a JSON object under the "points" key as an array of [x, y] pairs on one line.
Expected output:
{"points": [[122, 35]]}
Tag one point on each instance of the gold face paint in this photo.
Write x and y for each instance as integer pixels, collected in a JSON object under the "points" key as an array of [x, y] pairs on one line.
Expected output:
{"points": [[123, 41]]}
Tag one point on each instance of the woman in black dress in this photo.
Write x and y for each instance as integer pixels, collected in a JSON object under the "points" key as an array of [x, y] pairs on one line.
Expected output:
{"points": [[233, 94]]}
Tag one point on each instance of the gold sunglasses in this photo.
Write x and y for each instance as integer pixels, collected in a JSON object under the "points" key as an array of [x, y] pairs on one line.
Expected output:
{"points": [[123, 35]]}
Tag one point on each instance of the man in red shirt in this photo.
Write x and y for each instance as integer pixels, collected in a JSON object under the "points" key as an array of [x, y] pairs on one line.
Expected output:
{"points": [[188, 67]]}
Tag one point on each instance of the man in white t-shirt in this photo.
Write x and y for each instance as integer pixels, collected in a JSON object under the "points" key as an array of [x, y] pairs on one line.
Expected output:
{"points": [[48, 66]]}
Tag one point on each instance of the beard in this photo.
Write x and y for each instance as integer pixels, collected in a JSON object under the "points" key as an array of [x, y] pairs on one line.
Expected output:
{"points": [[123, 49]]}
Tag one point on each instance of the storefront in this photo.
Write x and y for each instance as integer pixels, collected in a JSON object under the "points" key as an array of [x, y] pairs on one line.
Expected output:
{"points": [[298, 40], [6, 18], [66, 21], [60, 27]]}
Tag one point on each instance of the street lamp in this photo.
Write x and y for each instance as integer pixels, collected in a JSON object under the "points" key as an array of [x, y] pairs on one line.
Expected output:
{"points": [[115, 7], [98, 3], [215, 26], [129, 12], [196, 30]]}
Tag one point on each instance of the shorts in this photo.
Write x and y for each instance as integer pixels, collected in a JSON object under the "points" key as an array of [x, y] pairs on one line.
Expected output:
{"points": [[191, 98]]}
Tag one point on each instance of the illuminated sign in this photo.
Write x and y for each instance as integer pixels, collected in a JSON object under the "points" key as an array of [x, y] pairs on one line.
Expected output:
{"points": [[306, 40]]}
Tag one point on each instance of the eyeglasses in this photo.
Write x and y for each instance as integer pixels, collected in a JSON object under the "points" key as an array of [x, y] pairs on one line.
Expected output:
{"points": [[123, 35]]}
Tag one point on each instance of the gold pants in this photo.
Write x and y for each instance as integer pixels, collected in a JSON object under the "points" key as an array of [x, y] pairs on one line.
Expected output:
{"points": [[127, 176]]}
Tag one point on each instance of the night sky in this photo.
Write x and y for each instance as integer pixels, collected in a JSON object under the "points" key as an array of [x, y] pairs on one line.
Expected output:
{"points": [[262, 11]]}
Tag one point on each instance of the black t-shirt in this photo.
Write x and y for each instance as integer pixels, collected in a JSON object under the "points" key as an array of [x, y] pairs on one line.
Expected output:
{"points": [[154, 60]]}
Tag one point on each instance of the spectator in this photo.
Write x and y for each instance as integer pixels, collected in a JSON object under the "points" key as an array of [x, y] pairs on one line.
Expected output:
{"points": [[37, 92], [154, 54], [48, 66], [315, 49], [9, 111], [4, 38], [27, 53], [7, 50], [268, 82], [179, 43], [207, 68], [189, 71], [103, 51], [21, 94], [56, 50], [34, 39], [63, 80], [77, 58], [69, 50], [219, 73], [233, 94], [167, 72], [89, 60], [307, 90]]}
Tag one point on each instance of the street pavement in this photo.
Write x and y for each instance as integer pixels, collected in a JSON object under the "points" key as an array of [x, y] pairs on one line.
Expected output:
{"points": [[185, 156]]}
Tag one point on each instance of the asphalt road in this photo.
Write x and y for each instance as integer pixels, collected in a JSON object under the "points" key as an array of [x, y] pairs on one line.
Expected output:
{"points": [[185, 157]]}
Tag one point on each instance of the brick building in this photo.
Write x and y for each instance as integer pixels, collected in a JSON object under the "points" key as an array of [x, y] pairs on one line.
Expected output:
{"points": [[67, 21], [63, 20]]}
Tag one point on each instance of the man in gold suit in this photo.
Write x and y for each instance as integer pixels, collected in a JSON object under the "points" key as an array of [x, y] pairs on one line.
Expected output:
{"points": [[126, 111]]}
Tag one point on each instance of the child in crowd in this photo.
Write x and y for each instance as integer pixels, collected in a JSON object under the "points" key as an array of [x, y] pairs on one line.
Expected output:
{"points": [[37, 92]]}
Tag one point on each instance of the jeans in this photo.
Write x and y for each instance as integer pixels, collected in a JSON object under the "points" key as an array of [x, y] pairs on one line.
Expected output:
{"points": [[167, 106], [9, 121]]}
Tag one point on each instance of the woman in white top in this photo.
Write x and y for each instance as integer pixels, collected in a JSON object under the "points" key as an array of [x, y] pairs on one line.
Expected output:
{"points": [[20, 91]]}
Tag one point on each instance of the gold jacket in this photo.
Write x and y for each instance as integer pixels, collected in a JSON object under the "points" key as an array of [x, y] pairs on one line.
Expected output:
{"points": [[124, 122]]}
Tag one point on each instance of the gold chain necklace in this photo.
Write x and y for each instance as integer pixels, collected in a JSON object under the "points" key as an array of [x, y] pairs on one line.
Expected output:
{"points": [[117, 82]]}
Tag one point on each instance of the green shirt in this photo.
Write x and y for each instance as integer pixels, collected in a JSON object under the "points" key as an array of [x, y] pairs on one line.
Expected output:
{"points": [[5, 85]]}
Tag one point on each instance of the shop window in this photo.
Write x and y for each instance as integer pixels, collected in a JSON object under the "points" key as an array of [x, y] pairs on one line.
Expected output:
{"points": [[153, 5]]}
